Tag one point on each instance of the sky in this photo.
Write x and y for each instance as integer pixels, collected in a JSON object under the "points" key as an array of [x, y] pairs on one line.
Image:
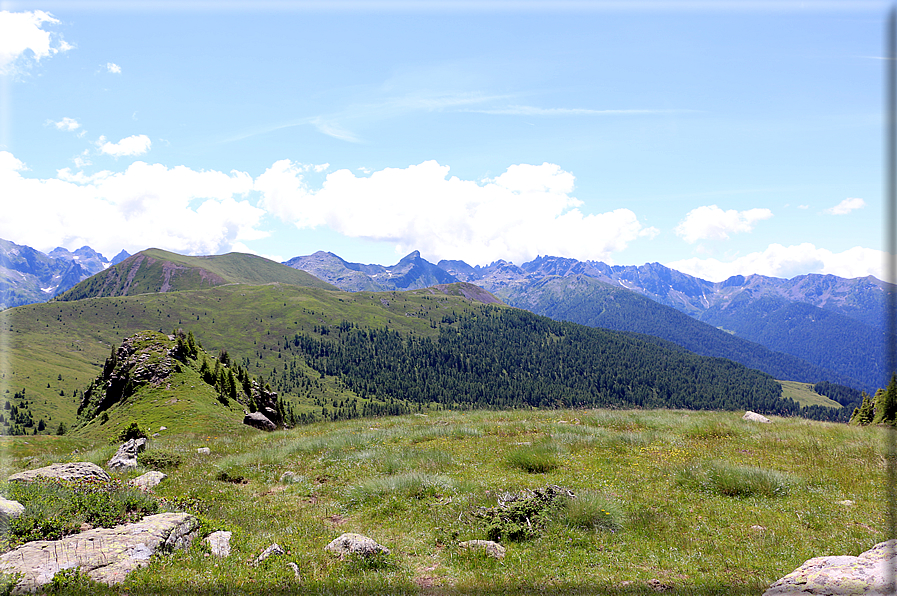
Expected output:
{"points": [[717, 138]]}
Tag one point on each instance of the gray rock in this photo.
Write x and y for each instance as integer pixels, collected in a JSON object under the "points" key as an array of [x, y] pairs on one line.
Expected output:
{"points": [[11, 509], [755, 417], [104, 554], [867, 574], [355, 544], [219, 542], [493, 549], [204, 451], [259, 421], [148, 480], [295, 569], [126, 456], [79, 470], [272, 550]]}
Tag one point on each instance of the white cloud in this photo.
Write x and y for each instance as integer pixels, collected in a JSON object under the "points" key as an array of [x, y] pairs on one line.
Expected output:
{"points": [[712, 223], [846, 206], [21, 33], [129, 146], [67, 124], [146, 205], [526, 211], [789, 261], [113, 68]]}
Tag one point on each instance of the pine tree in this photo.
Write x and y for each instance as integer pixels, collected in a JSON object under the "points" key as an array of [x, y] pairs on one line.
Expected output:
{"points": [[865, 413], [886, 403]]}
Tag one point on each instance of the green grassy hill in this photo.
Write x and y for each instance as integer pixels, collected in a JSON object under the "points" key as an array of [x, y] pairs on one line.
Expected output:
{"points": [[336, 354], [805, 395], [154, 270], [51, 352]]}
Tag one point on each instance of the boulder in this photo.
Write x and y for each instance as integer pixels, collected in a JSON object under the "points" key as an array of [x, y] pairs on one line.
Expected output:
{"points": [[867, 574], [10, 509], [493, 549], [259, 421], [105, 555], [219, 542], [355, 544], [126, 456], [755, 417], [204, 451], [79, 470], [148, 480]]}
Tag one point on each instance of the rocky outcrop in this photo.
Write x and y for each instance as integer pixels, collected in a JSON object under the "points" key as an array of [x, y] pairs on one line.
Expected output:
{"points": [[126, 456], [867, 574], [105, 555], [355, 544], [492, 549], [259, 421], [79, 470], [266, 404]]}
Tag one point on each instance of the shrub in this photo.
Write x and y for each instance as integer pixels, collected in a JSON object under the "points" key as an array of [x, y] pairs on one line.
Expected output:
{"points": [[159, 460], [535, 459], [57, 508], [522, 517], [132, 431], [735, 481]]}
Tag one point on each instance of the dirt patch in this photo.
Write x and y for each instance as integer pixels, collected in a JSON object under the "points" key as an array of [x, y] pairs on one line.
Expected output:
{"points": [[336, 519]]}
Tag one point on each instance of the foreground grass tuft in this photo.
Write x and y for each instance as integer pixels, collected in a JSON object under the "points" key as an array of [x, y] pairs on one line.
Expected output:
{"points": [[736, 481]]}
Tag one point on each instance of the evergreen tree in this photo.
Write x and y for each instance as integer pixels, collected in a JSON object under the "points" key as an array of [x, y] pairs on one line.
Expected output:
{"points": [[886, 404], [865, 413]]}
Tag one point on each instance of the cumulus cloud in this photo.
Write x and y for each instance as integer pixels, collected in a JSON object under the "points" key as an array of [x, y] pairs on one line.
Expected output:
{"points": [[21, 33], [846, 206], [67, 124], [129, 146], [526, 211], [146, 205], [113, 68], [709, 222], [788, 261]]}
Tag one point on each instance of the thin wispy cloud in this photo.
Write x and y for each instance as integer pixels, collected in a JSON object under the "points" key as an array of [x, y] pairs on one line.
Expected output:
{"points": [[846, 206], [535, 111]]}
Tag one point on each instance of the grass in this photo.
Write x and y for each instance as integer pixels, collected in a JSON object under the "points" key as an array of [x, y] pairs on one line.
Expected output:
{"points": [[805, 395], [669, 495]]}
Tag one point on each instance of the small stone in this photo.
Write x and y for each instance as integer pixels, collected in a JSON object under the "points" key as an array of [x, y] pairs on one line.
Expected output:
{"points": [[355, 544], [161, 428], [219, 542], [272, 550], [493, 549], [758, 528], [846, 503], [295, 569], [204, 451]]}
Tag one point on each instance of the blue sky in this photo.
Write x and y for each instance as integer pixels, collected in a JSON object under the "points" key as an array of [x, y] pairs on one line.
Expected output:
{"points": [[717, 138]]}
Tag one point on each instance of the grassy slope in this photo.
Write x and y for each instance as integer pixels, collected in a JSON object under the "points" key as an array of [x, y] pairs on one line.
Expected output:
{"points": [[40, 342], [154, 269], [805, 395], [357, 476]]}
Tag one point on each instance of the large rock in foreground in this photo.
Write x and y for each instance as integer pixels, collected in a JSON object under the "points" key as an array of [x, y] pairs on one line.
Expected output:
{"points": [[866, 574], [355, 544], [79, 470], [105, 554]]}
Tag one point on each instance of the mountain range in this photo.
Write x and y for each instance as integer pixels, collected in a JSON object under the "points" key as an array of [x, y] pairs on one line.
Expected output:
{"points": [[809, 328], [28, 275]]}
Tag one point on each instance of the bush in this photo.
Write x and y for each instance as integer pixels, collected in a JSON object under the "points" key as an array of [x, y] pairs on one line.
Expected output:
{"points": [[535, 459], [56, 508], [159, 460], [132, 431], [522, 517]]}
